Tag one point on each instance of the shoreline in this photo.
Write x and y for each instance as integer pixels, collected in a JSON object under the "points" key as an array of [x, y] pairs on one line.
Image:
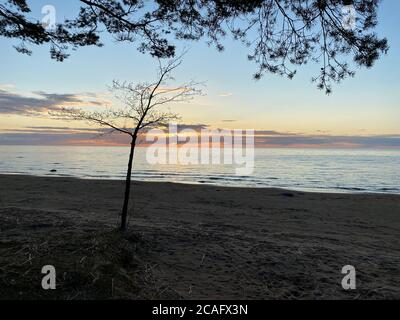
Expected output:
{"points": [[349, 191], [195, 241]]}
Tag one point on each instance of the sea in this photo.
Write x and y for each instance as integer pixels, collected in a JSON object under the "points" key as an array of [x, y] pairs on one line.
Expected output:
{"points": [[316, 170]]}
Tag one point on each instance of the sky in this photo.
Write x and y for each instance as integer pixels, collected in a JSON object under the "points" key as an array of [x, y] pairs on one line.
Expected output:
{"points": [[362, 111]]}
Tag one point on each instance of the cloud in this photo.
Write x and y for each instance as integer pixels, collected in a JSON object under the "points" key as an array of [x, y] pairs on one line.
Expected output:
{"points": [[36, 128], [273, 133], [229, 120], [41, 102], [196, 127], [313, 141], [48, 135], [54, 130], [7, 86], [60, 136], [54, 135]]}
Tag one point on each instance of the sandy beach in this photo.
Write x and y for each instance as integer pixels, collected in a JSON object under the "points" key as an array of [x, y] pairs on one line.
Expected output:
{"points": [[194, 241]]}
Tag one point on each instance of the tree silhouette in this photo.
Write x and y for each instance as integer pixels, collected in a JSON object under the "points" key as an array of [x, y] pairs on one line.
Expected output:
{"points": [[142, 103], [280, 34]]}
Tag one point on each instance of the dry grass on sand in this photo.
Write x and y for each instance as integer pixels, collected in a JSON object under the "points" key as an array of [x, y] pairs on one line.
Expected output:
{"points": [[194, 242]]}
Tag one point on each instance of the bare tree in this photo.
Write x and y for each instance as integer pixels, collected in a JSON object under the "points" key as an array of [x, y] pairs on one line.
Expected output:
{"points": [[141, 112]]}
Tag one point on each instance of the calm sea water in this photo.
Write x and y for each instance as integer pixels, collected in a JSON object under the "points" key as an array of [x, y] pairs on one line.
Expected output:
{"points": [[322, 170]]}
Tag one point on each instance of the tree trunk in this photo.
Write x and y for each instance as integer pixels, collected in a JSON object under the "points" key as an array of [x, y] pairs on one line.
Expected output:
{"points": [[124, 214]]}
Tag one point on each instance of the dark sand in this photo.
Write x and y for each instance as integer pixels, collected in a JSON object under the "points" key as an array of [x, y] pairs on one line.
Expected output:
{"points": [[194, 242]]}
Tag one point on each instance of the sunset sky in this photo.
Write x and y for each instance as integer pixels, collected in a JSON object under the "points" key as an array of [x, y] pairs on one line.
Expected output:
{"points": [[361, 112]]}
